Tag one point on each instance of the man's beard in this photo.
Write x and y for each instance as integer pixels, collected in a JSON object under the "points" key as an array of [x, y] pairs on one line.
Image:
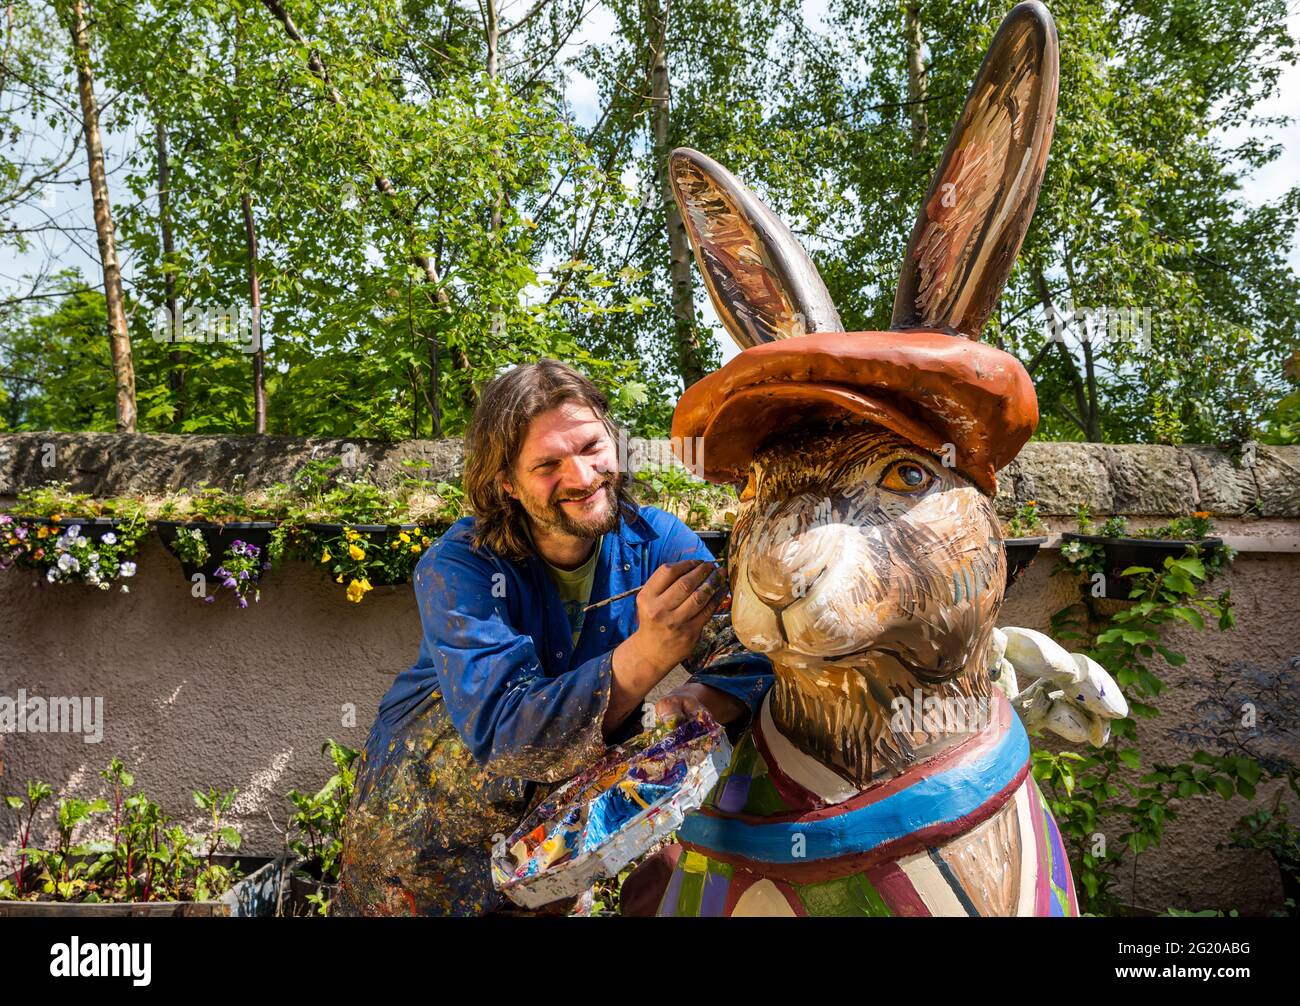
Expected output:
{"points": [[554, 518]]}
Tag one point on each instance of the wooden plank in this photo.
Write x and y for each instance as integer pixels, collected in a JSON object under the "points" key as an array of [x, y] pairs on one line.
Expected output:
{"points": [[99, 910]]}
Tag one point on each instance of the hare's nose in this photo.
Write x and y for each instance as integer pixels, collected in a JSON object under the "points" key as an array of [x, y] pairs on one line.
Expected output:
{"points": [[783, 574]]}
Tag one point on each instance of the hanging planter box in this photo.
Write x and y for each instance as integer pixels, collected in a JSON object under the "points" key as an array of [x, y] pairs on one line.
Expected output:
{"points": [[83, 564], [375, 536], [1122, 553], [1020, 553], [218, 537], [257, 894]]}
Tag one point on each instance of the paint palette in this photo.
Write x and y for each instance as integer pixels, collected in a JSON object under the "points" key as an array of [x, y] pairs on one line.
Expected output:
{"points": [[602, 819]]}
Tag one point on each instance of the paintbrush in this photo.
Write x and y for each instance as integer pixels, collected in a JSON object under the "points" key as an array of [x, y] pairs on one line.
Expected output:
{"points": [[628, 593]]}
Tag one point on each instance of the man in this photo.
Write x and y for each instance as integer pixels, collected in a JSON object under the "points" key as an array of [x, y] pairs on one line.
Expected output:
{"points": [[519, 684]]}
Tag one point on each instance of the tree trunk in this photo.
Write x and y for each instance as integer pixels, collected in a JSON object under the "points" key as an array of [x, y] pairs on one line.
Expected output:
{"points": [[118, 336], [917, 90], [691, 358], [255, 300], [176, 376], [495, 325], [254, 283]]}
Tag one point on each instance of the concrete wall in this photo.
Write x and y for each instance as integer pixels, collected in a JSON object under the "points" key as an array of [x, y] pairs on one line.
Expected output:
{"points": [[197, 695]]}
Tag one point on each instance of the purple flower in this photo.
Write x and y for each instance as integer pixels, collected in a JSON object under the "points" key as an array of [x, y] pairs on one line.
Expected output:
{"points": [[243, 602], [209, 599], [230, 582]]}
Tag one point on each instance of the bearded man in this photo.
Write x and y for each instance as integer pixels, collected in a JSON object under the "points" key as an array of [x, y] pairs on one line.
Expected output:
{"points": [[520, 683]]}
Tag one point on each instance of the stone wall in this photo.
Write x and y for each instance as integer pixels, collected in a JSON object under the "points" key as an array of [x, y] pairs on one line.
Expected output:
{"points": [[197, 695]]}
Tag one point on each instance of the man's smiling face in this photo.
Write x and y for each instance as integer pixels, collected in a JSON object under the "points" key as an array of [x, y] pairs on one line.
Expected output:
{"points": [[566, 471]]}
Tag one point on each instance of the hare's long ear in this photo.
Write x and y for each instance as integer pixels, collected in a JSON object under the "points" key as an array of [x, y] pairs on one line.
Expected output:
{"points": [[982, 198], [761, 280]]}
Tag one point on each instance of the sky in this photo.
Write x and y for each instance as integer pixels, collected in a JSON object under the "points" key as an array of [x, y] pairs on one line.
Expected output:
{"points": [[72, 205]]}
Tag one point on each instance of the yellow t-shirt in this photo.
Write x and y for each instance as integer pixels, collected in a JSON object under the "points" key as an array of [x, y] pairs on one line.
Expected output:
{"points": [[574, 586]]}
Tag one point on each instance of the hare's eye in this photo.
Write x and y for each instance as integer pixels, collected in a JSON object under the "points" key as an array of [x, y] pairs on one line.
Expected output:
{"points": [[906, 477]]}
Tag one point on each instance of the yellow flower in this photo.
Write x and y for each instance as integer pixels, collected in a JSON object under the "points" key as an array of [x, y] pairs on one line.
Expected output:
{"points": [[415, 548], [42, 532], [325, 555], [339, 578], [351, 535], [357, 589], [356, 552], [1202, 514], [1031, 502], [426, 542], [405, 538]]}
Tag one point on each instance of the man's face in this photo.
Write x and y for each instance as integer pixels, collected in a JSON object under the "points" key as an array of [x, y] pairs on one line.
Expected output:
{"points": [[565, 473]]}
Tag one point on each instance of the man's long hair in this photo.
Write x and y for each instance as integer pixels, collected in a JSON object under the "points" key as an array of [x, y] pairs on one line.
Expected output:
{"points": [[496, 432]]}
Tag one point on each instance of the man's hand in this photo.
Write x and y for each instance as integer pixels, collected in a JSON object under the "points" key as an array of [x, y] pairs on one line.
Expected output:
{"points": [[672, 610], [1074, 696], [693, 696]]}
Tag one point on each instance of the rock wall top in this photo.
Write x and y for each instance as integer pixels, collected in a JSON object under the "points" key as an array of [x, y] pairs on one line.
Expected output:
{"points": [[1130, 479]]}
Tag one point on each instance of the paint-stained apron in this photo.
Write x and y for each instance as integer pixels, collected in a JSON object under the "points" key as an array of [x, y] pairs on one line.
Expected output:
{"points": [[420, 828]]}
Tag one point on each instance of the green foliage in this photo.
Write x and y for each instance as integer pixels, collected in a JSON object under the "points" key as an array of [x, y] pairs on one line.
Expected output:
{"points": [[678, 491], [316, 827], [422, 223], [147, 859], [1100, 794], [1269, 830], [1025, 522]]}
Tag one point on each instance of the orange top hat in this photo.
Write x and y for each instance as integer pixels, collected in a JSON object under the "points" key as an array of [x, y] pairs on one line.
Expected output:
{"points": [[927, 378]]}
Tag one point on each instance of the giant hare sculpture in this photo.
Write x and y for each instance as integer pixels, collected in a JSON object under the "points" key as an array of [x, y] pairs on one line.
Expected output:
{"points": [[887, 772]]}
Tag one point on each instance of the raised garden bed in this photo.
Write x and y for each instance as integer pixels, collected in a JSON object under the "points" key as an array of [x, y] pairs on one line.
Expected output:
{"points": [[257, 894]]}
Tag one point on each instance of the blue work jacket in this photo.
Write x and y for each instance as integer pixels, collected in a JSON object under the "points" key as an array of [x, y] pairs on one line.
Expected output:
{"points": [[498, 647]]}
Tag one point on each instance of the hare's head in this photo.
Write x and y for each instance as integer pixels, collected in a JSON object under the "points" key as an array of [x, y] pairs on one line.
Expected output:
{"points": [[867, 556]]}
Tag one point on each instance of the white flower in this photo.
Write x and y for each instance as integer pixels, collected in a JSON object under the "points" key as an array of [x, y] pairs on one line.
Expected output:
{"points": [[52, 574], [109, 539], [74, 530], [83, 541], [68, 563], [94, 558], [125, 589], [126, 569]]}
